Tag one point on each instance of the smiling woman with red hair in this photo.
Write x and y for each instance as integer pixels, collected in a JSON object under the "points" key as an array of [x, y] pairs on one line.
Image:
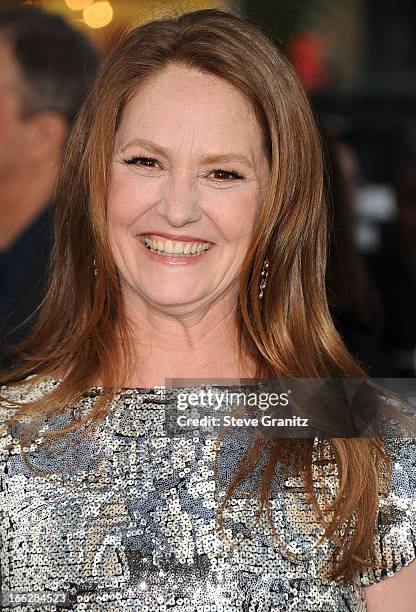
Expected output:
{"points": [[190, 241]]}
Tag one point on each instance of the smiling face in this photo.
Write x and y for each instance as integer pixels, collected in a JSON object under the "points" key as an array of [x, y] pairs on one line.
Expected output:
{"points": [[180, 211]]}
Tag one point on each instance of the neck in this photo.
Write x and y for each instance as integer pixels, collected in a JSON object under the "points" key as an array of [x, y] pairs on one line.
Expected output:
{"points": [[22, 199], [197, 344]]}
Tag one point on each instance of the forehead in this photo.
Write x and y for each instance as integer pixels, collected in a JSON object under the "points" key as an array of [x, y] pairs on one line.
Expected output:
{"points": [[184, 105]]}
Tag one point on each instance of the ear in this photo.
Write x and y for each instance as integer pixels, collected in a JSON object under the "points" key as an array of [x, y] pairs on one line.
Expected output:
{"points": [[47, 133]]}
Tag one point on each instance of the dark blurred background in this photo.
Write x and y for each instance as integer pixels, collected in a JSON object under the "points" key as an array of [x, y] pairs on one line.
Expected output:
{"points": [[357, 59]]}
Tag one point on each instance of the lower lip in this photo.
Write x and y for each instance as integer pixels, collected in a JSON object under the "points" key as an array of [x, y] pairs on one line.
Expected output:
{"points": [[176, 260]]}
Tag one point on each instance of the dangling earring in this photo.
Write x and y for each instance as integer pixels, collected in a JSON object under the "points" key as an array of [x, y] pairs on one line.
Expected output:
{"points": [[264, 274], [95, 268]]}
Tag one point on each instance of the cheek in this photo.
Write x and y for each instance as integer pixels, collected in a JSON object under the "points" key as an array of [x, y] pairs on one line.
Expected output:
{"points": [[236, 221], [9, 122], [125, 202], [3, 123], [121, 216], [7, 135], [117, 214]]}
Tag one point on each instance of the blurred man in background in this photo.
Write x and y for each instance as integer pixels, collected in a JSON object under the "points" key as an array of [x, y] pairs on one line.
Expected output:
{"points": [[46, 70]]}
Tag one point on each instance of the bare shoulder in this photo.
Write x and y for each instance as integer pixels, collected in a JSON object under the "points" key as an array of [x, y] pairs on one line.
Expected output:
{"points": [[395, 593]]}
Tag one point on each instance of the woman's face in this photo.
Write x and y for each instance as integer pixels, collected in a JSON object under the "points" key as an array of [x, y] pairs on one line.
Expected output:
{"points": [[189, 171]]}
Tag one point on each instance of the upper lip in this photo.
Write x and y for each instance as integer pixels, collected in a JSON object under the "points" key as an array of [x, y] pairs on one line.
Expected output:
{"points": [[176, 237]]}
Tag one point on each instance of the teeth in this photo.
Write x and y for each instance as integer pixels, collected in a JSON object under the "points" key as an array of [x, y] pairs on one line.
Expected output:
{"points": [[170, 247]]}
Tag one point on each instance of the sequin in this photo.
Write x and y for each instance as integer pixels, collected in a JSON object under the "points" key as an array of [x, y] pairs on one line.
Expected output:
{"points": [[127, 522]]}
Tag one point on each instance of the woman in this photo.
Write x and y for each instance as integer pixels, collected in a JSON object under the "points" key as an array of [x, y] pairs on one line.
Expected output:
{"points": [[190, 242]]}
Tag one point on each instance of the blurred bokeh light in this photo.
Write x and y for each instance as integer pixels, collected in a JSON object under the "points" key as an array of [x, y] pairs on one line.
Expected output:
{"points": [[98, 15], [105, 22], [78, 5]]}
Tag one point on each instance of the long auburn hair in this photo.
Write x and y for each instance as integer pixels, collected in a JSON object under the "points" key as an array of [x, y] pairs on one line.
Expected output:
{"points": [[81, 329]]}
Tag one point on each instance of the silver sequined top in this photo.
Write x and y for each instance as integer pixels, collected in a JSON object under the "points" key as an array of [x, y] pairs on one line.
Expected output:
{"points": [[125, 520]]}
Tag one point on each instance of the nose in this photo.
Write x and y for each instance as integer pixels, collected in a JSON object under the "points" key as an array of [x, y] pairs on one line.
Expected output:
{"points": [[178, 201]]}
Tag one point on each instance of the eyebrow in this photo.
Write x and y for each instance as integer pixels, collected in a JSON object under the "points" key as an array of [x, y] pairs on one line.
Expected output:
{"points": [[206, 158]]}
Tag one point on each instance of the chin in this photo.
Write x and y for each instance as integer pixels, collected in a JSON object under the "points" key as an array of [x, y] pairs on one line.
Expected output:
{"points": [[171, 299]]}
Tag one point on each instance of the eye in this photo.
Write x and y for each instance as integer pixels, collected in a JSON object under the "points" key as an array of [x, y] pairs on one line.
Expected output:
{"points": [[232, 173], [134, 161], [146, 162]]}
